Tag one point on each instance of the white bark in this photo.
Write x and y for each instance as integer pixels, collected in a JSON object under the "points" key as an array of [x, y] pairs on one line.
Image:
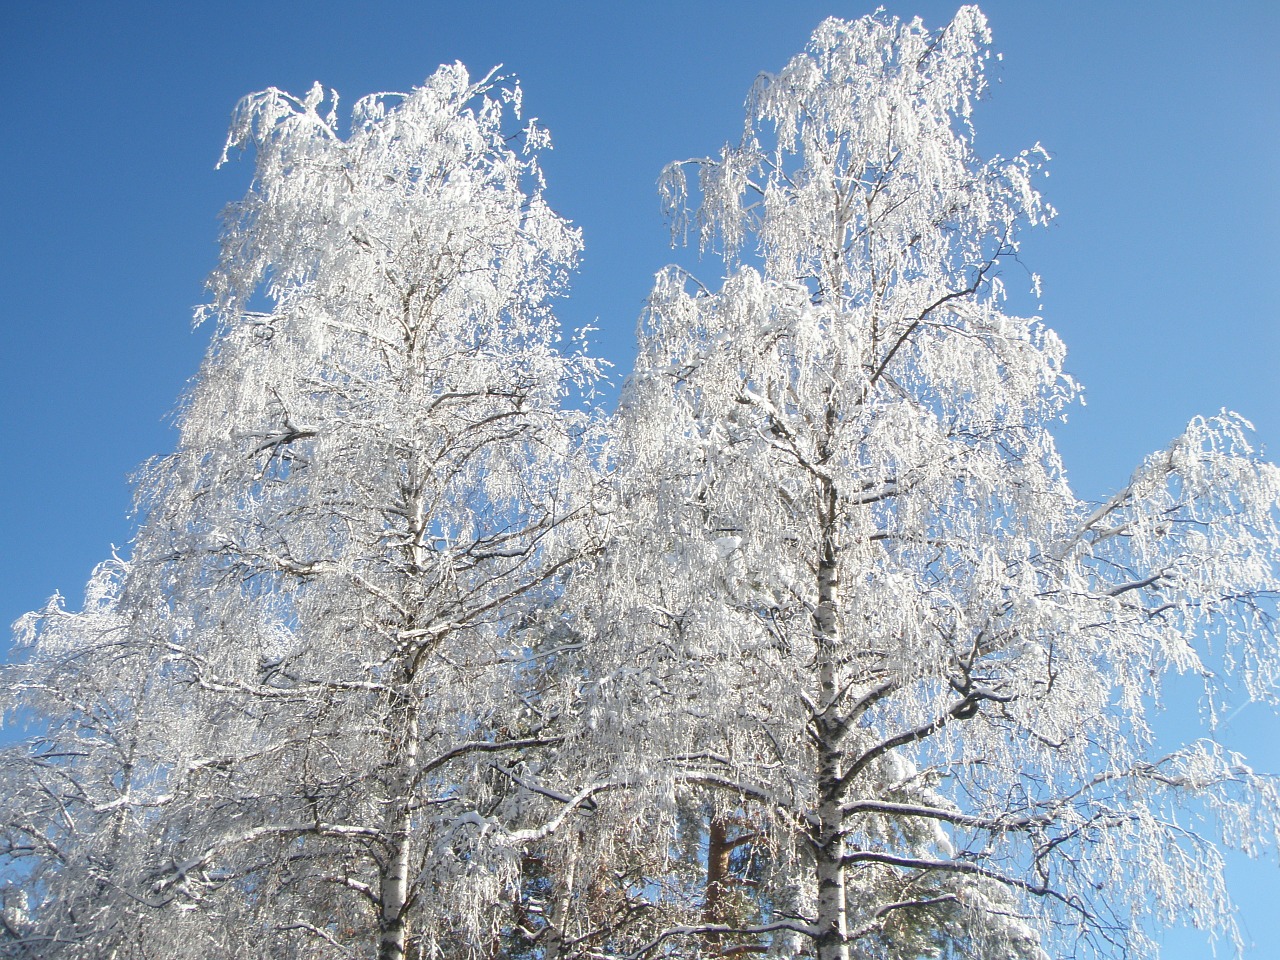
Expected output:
{"points": [[829, 847], [395, 879]]}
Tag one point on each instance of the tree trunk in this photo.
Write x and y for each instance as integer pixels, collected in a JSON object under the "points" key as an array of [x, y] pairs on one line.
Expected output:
{"points": [[719, 850], [394, 895], [403, 756], [832, 910], [832, 942], [394, 880], [559, 917]]}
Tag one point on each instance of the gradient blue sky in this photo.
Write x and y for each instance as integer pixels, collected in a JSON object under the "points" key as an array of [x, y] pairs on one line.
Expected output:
{"points": [[1163, 119]]}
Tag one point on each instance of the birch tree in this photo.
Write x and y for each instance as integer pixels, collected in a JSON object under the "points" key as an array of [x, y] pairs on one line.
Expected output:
{"points": [[851, 593], [69, 818], [376, 483], [844, 669]]}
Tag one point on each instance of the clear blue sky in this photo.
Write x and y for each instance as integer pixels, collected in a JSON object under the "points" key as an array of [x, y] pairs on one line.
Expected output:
{"points": [[1163, 119]]}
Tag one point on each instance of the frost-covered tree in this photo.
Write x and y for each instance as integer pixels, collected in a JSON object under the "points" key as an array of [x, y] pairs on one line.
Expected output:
{"points": [[850, 595], [844, 669], [375, 490], [69, 820]]}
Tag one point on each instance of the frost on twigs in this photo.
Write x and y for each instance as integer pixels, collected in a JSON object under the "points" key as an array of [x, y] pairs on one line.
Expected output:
{"points": [[828, 660], [856, 621], [294, 696]]}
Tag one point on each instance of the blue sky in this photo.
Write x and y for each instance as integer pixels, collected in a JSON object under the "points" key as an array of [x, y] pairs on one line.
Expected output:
{"points": [[1163, 119]]}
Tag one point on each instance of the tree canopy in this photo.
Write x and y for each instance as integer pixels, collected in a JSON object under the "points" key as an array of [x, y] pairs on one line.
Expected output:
{"points": [[808, 649]]}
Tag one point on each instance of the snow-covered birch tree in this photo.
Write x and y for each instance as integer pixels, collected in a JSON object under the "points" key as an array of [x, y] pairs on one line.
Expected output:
{"points": [[851, 595], [376, 482], [69, 817], [843, 670]]}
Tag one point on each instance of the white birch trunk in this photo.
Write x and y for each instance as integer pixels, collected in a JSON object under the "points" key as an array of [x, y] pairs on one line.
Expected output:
{"points": [[394, 880], [833, 924]]}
